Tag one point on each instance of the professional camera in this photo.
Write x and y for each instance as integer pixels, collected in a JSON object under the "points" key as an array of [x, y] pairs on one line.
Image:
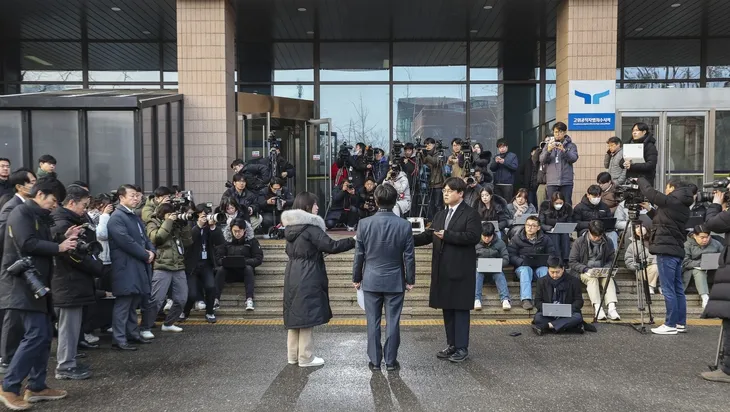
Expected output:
{"points": [[632, 197], [280, 201], [717, 186], [396, 157], [466, 148], [191, 216], [24, 266], [369, 155], [274, 141], [85, 244], [370, 202], [418, 145], [344, 151]]}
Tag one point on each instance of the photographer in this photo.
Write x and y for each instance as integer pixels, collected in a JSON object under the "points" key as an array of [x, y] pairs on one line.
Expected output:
{"points": [[358, 166], [640, 135], [366, 199], [284, 169], [256, 174], [233, 212], [398, 179], [558, 158], [161, 195], [242, 245], [718, 220], [481, 159], [246, 199], [614, 160], [380, 168], [344, 207], [273, 200], [433, 158], [409, 164], [46, 166], [73, 281], [667, 243], [27, 267], [456, 160], [504, 166], [473, 190]]}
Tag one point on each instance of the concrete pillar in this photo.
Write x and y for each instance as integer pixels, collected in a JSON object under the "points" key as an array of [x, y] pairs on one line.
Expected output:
{"points": [[586, 50], [206, 63]]}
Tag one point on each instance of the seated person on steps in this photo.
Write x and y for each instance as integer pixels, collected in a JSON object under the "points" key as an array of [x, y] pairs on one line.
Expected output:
{"points": [[242, 245], [528, 242], [274, 199], [640, 243], [492, 247], [553, 211], [518, 208], [558, 287], [590, 208], [698, 243], [492, 208], [344, 207], [593, 250]]}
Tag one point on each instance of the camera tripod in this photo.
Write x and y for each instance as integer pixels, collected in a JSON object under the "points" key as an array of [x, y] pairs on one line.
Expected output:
{"points": [[643, 299]]}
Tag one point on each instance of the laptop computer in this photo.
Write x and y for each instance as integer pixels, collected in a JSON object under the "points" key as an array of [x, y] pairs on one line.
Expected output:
{"points": [[609, 223], [536, 261], [523, 219], [601, 272], [563, 228], [710, 261], [557, 310], [694, 221], [489, 265], [234, 262]]}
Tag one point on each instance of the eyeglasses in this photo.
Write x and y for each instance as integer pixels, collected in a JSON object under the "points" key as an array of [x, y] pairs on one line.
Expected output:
{"points": [[532, 225], [449, 191]]}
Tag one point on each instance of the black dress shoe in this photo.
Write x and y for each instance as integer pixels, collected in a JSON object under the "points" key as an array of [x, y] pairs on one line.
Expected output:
{"points": [[537, 330], [124, 346], [446, 353], [393, 367], [373, 367], [140, 340], [80, 355], [86, 345], [459, 356]]}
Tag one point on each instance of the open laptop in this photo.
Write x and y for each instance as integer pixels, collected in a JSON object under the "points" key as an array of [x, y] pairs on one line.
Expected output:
{"points": [[710, 261], [234, 262], [694, 221], [536, 261], [609, 223], [563, 228], [489, 265], [557, 310], [601, 272], [523, 219]]}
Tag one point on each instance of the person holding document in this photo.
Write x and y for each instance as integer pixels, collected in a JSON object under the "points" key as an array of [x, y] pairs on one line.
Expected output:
{"points": [[384, 267], [646, 167]]}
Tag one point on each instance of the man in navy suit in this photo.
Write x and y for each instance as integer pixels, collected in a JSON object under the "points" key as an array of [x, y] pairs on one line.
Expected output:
{"points": [[385, 267]]}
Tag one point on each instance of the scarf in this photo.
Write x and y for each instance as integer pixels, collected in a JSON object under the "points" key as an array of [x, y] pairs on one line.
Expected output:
{"points": [[520, 210], [558, 293]]}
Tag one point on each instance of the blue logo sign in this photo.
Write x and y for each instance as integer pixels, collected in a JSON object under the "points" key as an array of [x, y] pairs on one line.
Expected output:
{"points": [[595, 99]]}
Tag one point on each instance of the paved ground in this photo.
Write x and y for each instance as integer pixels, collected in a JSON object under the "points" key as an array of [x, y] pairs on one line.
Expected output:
{"points": [[237, 368]]}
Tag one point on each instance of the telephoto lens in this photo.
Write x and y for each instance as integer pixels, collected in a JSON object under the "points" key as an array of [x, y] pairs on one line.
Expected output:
{"points": [[36, 286]]}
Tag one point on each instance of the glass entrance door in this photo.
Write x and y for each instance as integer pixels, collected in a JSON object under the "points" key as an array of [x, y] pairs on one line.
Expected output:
{"points": [[321, 142], [684, 154]]}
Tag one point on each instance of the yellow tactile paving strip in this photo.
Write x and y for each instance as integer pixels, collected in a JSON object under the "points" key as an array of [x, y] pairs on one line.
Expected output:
{"points": [[418, 322]]}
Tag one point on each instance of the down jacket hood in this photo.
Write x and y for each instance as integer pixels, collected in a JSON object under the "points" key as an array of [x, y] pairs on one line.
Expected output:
{"points": [[295, 222]]}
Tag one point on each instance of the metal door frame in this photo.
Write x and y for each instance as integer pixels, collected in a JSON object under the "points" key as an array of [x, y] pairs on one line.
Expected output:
{"points": [[707, 166], [316, 124]]}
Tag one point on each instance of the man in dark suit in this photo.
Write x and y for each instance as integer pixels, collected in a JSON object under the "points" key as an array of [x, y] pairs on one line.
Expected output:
{"points": [[385, 267], [455, 233]]}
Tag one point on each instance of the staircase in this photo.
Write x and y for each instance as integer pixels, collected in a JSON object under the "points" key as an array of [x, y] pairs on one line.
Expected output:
{"points": [[343, 300]]}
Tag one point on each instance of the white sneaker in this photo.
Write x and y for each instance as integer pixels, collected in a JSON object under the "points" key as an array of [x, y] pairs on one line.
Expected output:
{"points": [[705, 299], [350, 228], [110, 330], [612, 314], [601, 313], [315, 362], [249, 304], [182, 316], [171, 328], [652, 290], [168, 305], [506, 305], [91, 338], [146, 335], [681, 328], [664, 330], [477, 304], [200, 305]]}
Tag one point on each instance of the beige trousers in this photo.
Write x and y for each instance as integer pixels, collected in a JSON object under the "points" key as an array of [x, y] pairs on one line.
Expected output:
{"points": [[594, 292], [300, 345], [652, 272]]}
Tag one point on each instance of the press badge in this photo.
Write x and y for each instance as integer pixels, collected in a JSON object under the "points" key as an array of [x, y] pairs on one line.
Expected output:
{"points": [[179, 246], [204, 254]]}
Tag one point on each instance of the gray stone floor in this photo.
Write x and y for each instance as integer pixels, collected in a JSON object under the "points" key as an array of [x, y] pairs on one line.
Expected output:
{"points": [[241, 368]]}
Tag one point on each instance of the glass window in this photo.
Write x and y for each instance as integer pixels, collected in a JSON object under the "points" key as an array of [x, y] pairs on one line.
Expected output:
{"points": [[722, 142], [37, 88], [486, 114], [354, 62], [668, 85], [293, 62], [718, 84], [294, 91], [147, 148], [718, 58], [51, 62], [175, 161], [661, 59], [124, 62], [441, 61], [11, 136], [358, 113], [484, 60], [162, 144], [433, 110], [56, 132], [111, 149]]}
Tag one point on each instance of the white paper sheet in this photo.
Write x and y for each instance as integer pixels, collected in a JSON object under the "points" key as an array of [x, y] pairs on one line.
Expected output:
{"points": [[361, 299], [634, 152]]}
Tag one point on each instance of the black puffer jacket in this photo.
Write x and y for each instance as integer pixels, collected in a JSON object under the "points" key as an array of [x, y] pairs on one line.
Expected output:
{"points": [[246, 199], [549, 216], [520, 247], [719, 304], [73, 279], [497, 213], [306, 290], [668, 222], [248, 248], [585, 212], [647, 169]]}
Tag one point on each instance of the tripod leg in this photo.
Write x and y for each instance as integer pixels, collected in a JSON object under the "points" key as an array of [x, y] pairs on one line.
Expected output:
{"points": [[720, 355]]}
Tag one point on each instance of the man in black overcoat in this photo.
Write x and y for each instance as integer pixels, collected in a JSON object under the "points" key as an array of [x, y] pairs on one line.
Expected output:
{"points": [[454, 233]]}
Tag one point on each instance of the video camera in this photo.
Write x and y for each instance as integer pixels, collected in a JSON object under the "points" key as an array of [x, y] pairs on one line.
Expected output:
{"points": [[274, 142], [466, 151], [24, 266], [719, 185], [396, 157], [632, 197], [369, 155], [344, 152]]}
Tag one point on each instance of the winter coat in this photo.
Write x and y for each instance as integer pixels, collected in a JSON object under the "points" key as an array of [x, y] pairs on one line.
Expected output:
{"points": [[471, 195], [28, 227], [580, 253], [668, 232], [102, 236], [571, 289], [719, 304], [497, 213], [496, 249], [245, 199], [549, 216], [380, 170], [585, 212], [73, 279], [257, 175], [248, 248], [6, 188], [482, 161], [306, 293], [609, 197], [128, 246], [504, 173], [356, 168], [267, 194], [194, 253], [454, 258], [527, 174], [4, 214], [171, 239], [559, 164], [630, 258], [511, 210], [456, 162], [614, 164], [693, 252], [226, 228], [647, 169], [698, 210], [520, 246], [409, 167], [283, 165], [401, 186], [149, 208], [436, 166], [540, 169]]}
